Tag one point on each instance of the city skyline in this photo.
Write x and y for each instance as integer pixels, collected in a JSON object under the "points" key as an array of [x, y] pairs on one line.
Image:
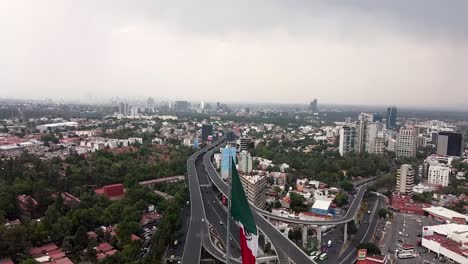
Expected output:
{"points": [[360, 52]]}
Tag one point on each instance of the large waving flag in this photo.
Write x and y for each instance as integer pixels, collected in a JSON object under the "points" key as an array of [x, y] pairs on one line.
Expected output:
{"points": [[240, 211]]}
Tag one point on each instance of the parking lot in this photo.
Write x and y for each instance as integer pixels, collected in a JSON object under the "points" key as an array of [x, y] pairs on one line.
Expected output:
{"points": [[405, 229]]}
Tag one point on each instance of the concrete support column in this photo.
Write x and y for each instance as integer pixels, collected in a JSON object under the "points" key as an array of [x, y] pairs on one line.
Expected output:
{"points": [[319, 236], [304, 236], [345, 237]]}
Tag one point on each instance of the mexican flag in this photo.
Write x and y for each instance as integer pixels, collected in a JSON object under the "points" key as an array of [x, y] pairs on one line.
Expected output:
{"points": [[240, 211]]}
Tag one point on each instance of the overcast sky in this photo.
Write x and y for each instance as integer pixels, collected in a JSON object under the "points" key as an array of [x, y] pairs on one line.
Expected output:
{"points": [[408, 53]]}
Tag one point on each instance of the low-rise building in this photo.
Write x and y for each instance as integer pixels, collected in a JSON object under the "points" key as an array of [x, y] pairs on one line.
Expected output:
{"points": [[321, 207], [404, 204], [113, 191], [364, 258], [448, 241], [444, 214]]}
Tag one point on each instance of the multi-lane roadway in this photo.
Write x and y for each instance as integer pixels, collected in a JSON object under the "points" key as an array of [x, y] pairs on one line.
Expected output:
{"points": [[206, 212]]}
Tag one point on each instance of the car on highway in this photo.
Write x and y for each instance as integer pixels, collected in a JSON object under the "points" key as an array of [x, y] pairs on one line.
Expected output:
{"points": [[203, 219], [221, 222], [323, 256]]}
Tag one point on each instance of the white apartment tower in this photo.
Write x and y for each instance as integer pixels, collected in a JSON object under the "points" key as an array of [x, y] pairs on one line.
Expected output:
{"points": [[360, 136], [245, 162], [438, 174], [372, 133], [347, 135], [405, 179], [407, 142]]}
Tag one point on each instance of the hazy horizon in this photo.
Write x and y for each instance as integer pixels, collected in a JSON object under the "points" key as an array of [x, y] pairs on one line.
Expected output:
{"points": [[410, 54]]}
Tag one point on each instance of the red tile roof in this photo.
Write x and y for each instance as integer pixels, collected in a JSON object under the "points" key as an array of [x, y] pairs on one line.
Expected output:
{"points": [[6, 261], [104, 247], [448, 244], [63, 261], [44, 249]]}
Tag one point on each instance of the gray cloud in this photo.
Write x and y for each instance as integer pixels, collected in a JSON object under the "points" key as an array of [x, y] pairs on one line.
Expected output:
{"points": [[372, 52]]}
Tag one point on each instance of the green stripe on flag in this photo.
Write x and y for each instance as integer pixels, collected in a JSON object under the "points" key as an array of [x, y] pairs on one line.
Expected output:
{"points": [[240, 209]]}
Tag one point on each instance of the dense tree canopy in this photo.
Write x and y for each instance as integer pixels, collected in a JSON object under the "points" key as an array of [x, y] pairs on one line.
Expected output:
{"points": [[67, 225]]}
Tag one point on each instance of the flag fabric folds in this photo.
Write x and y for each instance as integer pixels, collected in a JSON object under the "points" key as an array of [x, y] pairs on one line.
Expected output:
{"points": [[240, 211]]}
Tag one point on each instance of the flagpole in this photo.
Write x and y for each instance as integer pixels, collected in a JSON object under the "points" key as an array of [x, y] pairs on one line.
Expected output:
{"points": [[228, 225]]}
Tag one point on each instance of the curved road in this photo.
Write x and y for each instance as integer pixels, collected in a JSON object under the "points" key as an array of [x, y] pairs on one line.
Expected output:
{"points": [[198, 228], [345, 219], [285, 249]]}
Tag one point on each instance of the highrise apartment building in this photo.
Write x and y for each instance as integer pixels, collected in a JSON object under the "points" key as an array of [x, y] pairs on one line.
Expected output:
{"points": [[245, 162], [407, 142], [405, 179], [244, 143], [123, 109], [207, 130], [347, 134], [255, 187], [360, 137], [372, 134], [438, 174]]}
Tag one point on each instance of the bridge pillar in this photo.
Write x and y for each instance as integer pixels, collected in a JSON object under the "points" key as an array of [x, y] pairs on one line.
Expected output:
{"points": [[304, 236], [319, 236], [345, 237]]}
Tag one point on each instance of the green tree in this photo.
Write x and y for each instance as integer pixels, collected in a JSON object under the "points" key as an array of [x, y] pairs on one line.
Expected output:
{"points": [[13, 240], [352, 228], [383, 213], [297, 202], [80, 239], [347, 185], [341, 199], [90, 252], [371, 248]]}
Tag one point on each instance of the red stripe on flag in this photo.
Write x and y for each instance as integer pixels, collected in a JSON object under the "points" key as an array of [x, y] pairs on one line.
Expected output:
{"points": [[247, 256]]}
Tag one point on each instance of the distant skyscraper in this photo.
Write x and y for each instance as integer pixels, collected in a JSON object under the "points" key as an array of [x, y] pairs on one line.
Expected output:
{"points": [[391, 117], [150, 102], [181, 106], [313, 106], [207, 130], [405, 179], [202, 105], [134, 111], [347, 135], [450, 143], [407, 142], [123, 109], [370, 117]]}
